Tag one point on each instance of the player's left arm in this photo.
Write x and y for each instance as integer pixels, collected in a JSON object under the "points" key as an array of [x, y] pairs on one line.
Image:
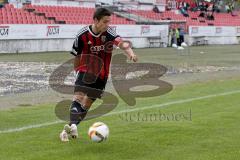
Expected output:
{"points": [[126, 47]]}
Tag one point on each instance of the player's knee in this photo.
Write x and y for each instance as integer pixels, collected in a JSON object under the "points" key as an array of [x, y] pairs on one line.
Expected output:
{"points": [[88, 104], [79, 97]]}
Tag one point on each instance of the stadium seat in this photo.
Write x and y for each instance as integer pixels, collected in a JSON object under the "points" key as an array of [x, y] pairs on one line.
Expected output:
{"points": [[72, 15], [223, 19], [83, 15]]}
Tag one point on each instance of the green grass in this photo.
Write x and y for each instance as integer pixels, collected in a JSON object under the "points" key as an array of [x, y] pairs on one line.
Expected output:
{"points": [[204, 129], [213, 55], [211, 133]]}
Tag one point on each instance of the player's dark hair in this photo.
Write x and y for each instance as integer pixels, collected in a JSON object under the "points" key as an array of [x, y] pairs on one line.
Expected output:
{"points": [[101, 12]]}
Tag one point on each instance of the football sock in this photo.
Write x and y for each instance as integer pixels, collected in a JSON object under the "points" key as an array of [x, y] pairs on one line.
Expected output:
{"points": [[77, 113]]}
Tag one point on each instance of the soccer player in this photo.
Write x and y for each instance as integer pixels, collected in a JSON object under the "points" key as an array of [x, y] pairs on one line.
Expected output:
{"points": [[92, 49]]}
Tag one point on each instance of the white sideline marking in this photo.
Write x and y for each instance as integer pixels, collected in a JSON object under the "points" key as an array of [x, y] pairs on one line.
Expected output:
{"points": [[29, 127], [127, 110]]}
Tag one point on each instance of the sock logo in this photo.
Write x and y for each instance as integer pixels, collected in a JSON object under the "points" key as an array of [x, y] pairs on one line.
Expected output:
{"points": [[74, 109]]}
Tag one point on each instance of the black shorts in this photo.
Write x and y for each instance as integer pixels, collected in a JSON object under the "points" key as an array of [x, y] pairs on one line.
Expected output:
{"points": [[91, 85]]}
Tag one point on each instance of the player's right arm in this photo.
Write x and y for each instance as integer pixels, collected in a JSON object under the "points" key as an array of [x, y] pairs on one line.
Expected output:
{"points": [[77, 51], [77, 47]]}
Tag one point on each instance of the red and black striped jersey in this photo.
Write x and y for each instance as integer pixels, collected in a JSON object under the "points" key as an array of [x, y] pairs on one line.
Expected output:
{"points": [[95, 51]]}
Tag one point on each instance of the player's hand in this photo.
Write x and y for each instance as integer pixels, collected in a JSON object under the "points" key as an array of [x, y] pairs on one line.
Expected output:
{"points": [[133, 58]]}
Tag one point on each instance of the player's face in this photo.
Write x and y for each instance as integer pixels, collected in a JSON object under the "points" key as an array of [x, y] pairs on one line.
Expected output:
{"points": [[103, 23]]}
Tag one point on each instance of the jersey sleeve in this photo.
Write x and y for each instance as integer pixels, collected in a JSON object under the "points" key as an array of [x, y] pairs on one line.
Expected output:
{"points": [[113, 36], [77, 46], [78, 43]]}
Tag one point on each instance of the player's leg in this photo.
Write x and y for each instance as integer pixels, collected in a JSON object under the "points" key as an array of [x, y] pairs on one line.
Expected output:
{"points": [[78, 110], [81, 104], [88, 101]]}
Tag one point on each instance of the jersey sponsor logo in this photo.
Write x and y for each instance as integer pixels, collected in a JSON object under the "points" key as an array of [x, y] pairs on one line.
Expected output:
{"points": [[4, 31], [108, 47], [97, 48], [53, 30]]}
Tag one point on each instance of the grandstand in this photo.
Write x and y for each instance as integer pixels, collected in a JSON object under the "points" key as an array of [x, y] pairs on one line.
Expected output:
{"points": [[145, 22], [71, 15], [46, 14], [11, 15], [34, 14], [221, 19]]}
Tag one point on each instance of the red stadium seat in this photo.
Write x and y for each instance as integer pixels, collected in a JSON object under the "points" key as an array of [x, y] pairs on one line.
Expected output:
{"points": [[82, 15], [71, 15]]}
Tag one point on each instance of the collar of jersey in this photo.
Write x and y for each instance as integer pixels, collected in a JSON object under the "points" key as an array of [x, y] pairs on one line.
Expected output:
{"points": [[98, 35]]}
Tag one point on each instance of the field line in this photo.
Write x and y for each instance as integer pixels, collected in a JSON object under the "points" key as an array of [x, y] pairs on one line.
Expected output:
{"points": [[127, 110]]}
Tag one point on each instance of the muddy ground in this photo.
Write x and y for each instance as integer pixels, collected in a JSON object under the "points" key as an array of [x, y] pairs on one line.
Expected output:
{"points": [[26, 83]]}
